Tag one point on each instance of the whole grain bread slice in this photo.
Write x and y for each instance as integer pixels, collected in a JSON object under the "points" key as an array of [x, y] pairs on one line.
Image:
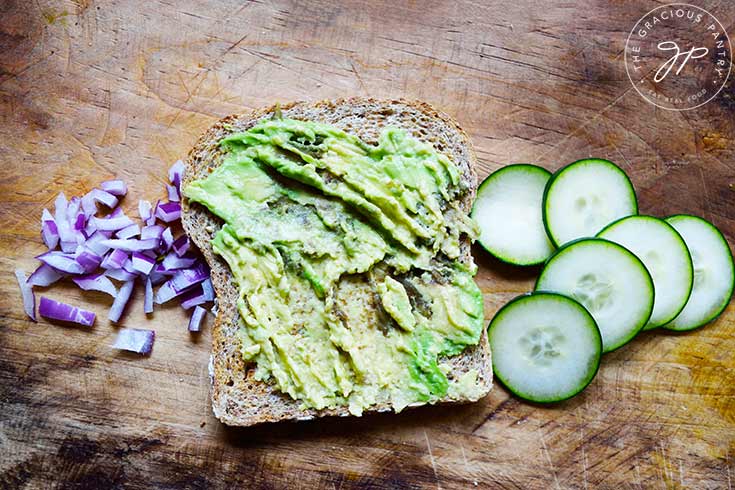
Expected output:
{"points": [[237, 398]]}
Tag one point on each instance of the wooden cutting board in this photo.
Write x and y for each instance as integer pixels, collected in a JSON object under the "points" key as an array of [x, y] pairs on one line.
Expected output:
{"points": [[94, 90]]}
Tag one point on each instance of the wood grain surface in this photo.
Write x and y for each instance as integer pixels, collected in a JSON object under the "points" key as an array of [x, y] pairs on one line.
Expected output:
{"points": [[92, 90]]}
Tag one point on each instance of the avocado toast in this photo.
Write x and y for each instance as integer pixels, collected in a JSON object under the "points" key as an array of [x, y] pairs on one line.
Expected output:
{"points": [[339, 242]]}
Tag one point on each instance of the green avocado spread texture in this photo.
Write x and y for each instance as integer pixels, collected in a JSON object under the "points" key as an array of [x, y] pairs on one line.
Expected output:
{"points": [[347, 258]]}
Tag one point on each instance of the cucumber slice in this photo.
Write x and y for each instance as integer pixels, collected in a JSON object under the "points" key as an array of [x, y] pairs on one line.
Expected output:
{"points": [[546, 347], [664, 253], [508, 211], [714, 274], [611, 282], [584, 197]]}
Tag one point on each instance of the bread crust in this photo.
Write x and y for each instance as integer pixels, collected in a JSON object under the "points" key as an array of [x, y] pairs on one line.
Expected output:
{"points": [[237, 398]]}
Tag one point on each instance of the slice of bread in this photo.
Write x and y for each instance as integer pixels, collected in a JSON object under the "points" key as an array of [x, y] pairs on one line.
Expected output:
{"points": [[237, 398]]}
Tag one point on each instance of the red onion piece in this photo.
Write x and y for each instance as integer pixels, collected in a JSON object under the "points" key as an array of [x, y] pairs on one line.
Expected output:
{"points": [[193, 297], [61, 262], [168, 239], [44, 276], [173, 193], [142, 263], [135, 340], [121, 300], [175, 173], [56, 310], [96, 282], [148, 302], [168, 211], [129, 231], [196, 319], [94, 242], [49, 231], [157, 278], [104, 197], [165, 293], [88, 205], [112, 223], [144, 210], [88, 260], [115, 259], [69, 247], [116, 187], [181, 245], [186, 278], [151, 231], [208, 289], [120, 274], [26, 291], [173, 261], [131, 244]]}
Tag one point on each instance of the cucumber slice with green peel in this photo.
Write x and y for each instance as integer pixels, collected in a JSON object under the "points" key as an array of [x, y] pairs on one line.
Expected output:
{"points": [[714, 272], [546, 347], [664, 253], [608, 280], [508, 212], [584, 197]]}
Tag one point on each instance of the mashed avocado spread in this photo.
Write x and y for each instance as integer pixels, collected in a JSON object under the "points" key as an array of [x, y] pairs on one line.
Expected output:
{"points": [[346, 255]]}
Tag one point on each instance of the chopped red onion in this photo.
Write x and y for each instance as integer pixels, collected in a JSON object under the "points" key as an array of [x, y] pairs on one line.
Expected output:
{"points": [[61, 262], [128, 267], [135, 340], [96, 282], [175, 173], [186, 278], [112, 224], [121, 300], [88, 260], [173, 193], [160, 269], [115, 259], [168, 211], [44, 276], [151, 231], [131, 244], [129, 231], [181, 245], [120, 274], [196, 319], [62, 221], [26, 291], [144, 210], [94, 242], [116, 187], [56, 310], [165, 293], [148, 302], [208, 289], [72, 208], [173, 261], [69, 247], [87, 246], [168, 239], [152, 219], [104, 197], [193, 297], [142, 263], [88, 205], [90, 228], [157, 278], [49, 231]]}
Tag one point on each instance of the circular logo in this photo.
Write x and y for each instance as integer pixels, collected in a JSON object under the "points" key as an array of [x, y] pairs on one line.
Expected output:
{"points": [[678, 56]]}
